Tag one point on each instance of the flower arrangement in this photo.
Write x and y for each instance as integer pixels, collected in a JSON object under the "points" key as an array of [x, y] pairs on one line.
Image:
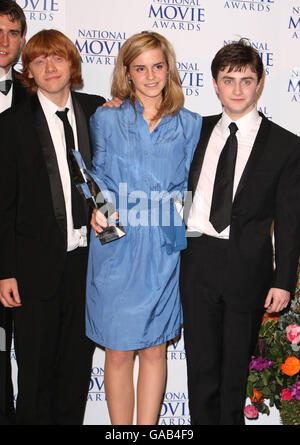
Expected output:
{"points": [[274, 370]]}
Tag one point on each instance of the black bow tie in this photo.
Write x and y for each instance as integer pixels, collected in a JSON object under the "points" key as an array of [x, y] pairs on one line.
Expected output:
{"points": [[5, 86]]}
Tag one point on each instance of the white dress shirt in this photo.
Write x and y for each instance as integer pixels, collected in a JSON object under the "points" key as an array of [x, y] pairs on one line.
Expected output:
{"points": [[248, 127], [76, 237], [5, 101]]}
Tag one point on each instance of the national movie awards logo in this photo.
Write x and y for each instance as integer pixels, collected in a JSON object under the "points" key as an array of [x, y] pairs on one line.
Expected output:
{"points": [[43, 10], [250, 5], [294, 85], [263, 109], [191, 78], [294, 22], [265, 52], [99, 47], [175, 409], [96, 389], [181, 15]]}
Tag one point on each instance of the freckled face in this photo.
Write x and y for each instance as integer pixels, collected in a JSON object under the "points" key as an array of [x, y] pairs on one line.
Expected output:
{"points": [[51, 74], [237, 91]]}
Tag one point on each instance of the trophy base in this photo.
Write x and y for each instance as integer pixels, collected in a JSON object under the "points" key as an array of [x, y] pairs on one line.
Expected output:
{"points": [[111, 233]]}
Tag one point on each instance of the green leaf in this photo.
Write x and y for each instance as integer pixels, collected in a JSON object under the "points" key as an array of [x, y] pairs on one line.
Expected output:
{"points": [[249, 389], [279, 381], [252, 378], [266, 392]]}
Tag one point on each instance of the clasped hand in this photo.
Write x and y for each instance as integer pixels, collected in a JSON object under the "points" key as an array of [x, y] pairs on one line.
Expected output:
{"points": [[100, 222]]}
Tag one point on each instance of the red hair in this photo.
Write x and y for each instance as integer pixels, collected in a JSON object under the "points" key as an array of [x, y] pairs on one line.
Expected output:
{"points": [[46, 43]]}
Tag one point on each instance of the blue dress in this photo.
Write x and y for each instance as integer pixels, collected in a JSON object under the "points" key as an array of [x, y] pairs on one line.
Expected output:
{"points": [[133, 299]]}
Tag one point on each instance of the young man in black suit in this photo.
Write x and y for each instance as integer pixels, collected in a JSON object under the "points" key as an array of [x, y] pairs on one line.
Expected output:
{"points": [[12, 38], [44, 233], [227, 278]]}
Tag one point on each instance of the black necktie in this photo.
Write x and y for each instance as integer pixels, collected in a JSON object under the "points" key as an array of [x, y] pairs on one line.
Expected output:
{"points": [[78, 208], [5, 86], [220, 212]]}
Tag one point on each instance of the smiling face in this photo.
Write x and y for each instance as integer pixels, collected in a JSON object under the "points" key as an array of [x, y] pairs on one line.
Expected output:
{"points": [[11, 43], [237, 91], [148, 72], [52, 76]]}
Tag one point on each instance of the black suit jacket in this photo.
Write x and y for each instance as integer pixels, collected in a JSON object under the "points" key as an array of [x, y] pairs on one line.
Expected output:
{"points": [[19, 92], [33, 236], [268, 194], [6, 388]]}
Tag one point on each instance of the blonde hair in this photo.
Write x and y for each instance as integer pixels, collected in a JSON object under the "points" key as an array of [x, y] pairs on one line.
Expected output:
{"points": [[172, 93]]}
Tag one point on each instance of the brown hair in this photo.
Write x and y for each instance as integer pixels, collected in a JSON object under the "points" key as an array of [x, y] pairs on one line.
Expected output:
{"points": [[237, 56], [14, 12], [46, 43], [138, 43]]}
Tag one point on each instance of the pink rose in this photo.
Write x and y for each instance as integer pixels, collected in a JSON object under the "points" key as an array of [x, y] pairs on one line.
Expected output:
{"points": [[250, 412], [293, 333], [286, 395]]}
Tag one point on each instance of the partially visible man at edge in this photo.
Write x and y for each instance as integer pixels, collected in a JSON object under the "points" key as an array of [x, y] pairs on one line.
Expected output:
{"points": [[12, 39]]}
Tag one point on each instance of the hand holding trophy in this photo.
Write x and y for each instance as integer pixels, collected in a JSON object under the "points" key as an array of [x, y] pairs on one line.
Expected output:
{"points": [[90, 190]]}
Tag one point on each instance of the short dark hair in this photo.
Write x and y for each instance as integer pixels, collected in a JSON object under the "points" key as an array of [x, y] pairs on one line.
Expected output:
{"points": [[14, 12], [237, 56]]}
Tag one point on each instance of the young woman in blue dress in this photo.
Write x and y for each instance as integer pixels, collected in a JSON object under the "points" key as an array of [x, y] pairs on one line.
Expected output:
{"points": [[133, 302]]}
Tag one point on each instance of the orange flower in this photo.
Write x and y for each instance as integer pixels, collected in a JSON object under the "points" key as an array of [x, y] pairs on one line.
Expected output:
{"points": [[256, 396], [273, 316], [291, 366]]}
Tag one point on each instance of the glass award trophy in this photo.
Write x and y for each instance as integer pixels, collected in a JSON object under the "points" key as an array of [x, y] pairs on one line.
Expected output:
{"points": [[90, 190]]}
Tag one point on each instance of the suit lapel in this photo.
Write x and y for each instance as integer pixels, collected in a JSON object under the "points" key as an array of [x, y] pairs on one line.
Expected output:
{"points": [[82, 132], [19, 92], [258, 148], [49, 154], [196, 166], [197, 162], [206, 131]]}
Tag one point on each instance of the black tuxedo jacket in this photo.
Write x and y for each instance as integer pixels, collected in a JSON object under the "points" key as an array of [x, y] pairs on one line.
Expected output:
{"points": [[6, 388], [33, 235], [19, 92], [267, 197]]}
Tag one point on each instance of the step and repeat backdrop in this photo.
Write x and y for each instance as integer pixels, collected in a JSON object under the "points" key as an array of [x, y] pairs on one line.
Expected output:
{"points": [[197, 30]]}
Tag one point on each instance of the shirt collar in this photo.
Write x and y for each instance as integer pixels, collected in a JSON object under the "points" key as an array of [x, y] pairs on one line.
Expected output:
{"points": [[245, 124], [7, 76], [51, 108]]}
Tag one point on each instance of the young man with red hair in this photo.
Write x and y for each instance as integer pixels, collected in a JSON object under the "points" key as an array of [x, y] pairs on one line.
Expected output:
{"points": [[44, 231]]}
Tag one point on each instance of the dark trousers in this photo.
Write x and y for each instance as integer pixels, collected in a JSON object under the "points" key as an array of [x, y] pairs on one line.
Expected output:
{"points": [[219, 341], [7, 412], [53, 354]]}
